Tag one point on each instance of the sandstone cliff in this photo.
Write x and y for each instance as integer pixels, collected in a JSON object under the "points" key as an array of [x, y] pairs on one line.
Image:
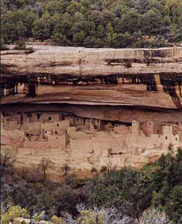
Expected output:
{"points": [[90, 108], [84, 61], [98, 76]]}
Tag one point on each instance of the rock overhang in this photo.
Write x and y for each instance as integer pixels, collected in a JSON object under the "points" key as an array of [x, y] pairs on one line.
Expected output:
{"points": [[50, 65]]}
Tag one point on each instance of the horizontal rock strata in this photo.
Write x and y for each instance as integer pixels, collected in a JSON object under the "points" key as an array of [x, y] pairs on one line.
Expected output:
{"points": [[95, 76], [90, 108]]}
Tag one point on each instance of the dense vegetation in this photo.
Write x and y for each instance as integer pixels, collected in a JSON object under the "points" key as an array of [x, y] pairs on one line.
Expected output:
{"points": [[93, 23], [126, 193]]}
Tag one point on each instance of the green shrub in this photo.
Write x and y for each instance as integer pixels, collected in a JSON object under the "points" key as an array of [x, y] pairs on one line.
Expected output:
{"points": [[56, 220], [30, 50], [127, 64], [3, 47], [89, 217], [36, 217], [173, 206], [103, 169], [20, 45], [93, 170], [14, 212]]}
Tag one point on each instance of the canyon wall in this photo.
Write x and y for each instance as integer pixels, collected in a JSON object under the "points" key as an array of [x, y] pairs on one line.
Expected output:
{"points": [[75, 61], [90, 108]]}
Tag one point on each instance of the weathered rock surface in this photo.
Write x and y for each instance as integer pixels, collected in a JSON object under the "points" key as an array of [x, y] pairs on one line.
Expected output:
{"points": [[85, 61], [97, 76], [90, 108]]}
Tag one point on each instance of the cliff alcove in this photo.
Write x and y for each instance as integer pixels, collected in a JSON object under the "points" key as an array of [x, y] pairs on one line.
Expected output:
{"points": [[91, 107]]}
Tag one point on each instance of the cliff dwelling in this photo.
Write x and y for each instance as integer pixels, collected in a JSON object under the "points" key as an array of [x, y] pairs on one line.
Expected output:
{"points": [[101, 107], [84, 142]]}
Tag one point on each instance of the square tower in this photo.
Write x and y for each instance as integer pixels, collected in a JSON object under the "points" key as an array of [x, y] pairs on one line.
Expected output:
{"points": [[135, 129]]}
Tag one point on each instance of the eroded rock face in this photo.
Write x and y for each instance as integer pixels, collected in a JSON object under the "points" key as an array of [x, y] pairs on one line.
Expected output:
{"points": [[95, 76], [90, 108], [85, 61]]}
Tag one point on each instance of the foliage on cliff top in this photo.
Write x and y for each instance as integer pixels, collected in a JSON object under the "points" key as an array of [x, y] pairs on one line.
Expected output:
{"points": [[93, 23]]}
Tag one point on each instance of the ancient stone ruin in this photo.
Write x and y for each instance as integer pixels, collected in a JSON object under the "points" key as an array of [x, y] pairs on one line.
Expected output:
{"points": [[90, 108]]}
